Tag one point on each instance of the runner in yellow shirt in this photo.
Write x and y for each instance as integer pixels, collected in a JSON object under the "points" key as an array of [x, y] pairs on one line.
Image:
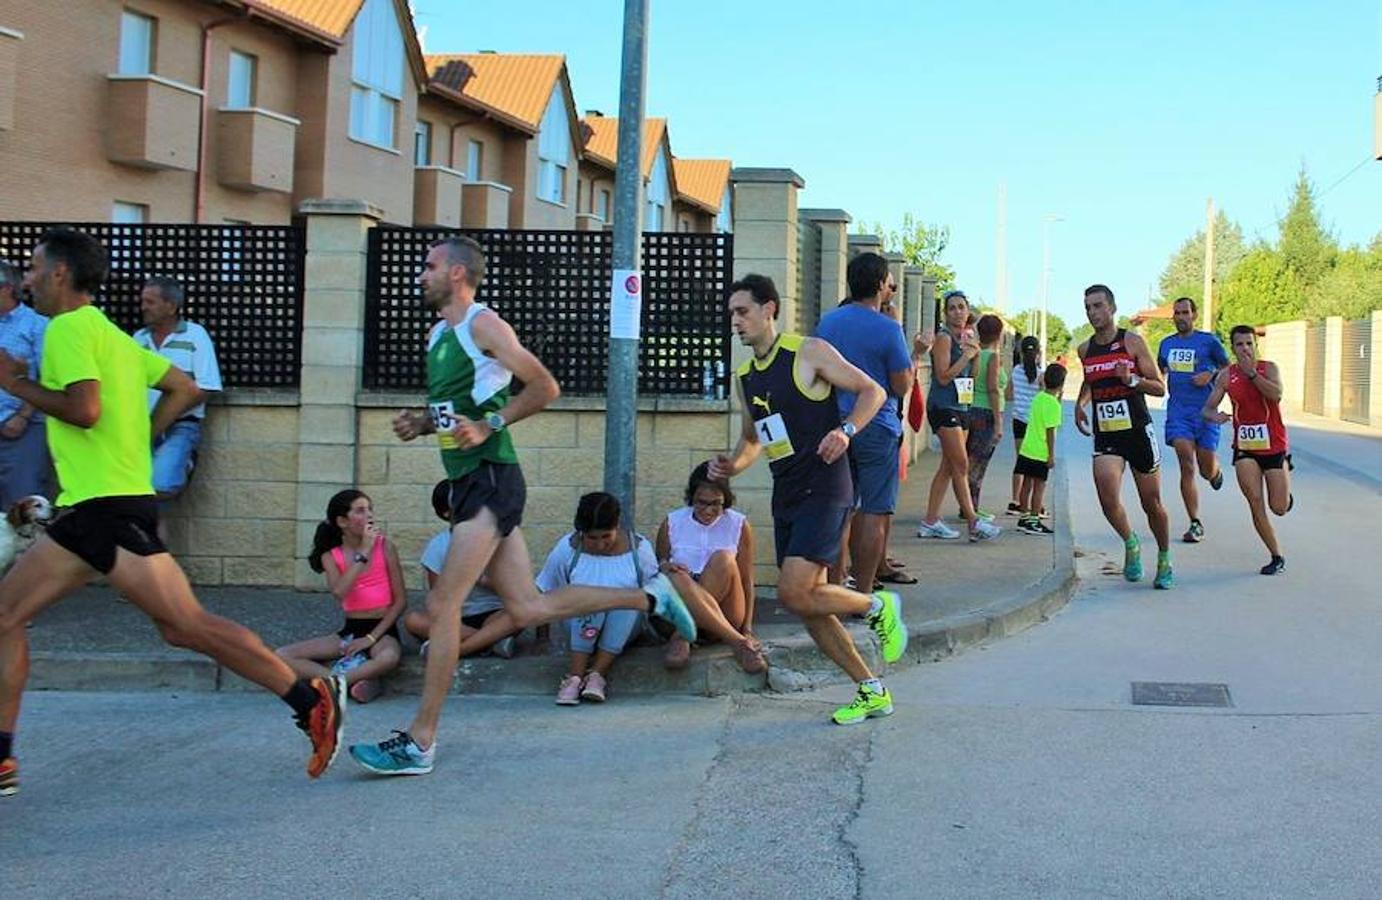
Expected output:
{"points": [[94, 391]]}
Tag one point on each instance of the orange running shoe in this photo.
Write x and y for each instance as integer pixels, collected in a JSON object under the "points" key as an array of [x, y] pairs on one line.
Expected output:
{"points": [[9, 776], [325, 723]]}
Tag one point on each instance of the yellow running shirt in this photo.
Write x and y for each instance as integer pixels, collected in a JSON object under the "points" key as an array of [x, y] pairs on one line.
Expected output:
{"points": [[113, 458]]}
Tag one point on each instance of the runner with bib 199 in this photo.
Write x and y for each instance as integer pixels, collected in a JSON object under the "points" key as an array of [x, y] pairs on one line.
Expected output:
{"points": [[1261, 450], [1119, 374]]}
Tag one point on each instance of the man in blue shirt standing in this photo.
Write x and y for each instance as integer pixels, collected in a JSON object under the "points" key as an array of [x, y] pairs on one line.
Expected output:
{"points": [[24, 462], [1191, 359], [873, 342]]}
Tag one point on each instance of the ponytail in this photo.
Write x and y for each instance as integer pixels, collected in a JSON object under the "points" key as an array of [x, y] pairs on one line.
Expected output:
{"points": [[329, 535]]}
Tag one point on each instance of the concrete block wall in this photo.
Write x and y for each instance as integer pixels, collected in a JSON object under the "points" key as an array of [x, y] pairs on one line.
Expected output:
{"points": [[1284, 344]]}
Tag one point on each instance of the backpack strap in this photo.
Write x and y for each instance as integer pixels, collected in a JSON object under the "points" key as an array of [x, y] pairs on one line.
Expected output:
{"points": [[578, 548]]}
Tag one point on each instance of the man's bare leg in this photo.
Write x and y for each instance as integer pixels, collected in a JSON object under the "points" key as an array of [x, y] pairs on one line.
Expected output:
{"points": [[803, 589]]}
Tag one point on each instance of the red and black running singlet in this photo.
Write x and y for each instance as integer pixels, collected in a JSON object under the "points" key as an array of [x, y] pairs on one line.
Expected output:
{"points": [[1117, 407], [1257, 425]]}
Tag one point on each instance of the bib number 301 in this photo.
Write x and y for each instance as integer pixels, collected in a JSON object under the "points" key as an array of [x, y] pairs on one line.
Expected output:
{"points": [[1113, 415], [772, 434], [1254, 437]]}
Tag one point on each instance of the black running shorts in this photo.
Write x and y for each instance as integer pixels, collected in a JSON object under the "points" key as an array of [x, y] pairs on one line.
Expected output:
{"points": [[1265, 461], [1031, 468], [946, 418], [1138, 446], [498, 486], [94, 528]]}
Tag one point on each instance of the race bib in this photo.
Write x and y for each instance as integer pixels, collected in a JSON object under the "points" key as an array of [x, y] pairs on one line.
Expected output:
{"points": [[1113, 415], [772, 434], [444, 418], [1181, 359], [1254, 437], [964, 389]]}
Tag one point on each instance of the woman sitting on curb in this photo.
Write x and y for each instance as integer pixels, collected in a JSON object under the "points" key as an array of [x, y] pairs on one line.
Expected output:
{"points": [[711, 544]]}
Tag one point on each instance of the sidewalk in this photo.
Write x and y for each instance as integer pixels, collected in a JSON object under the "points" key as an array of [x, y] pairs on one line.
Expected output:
{"points": [[967, 593]]}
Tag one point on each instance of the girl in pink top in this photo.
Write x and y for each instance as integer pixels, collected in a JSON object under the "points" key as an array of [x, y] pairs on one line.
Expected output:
{"points": [[707, 549], [363, 572]]}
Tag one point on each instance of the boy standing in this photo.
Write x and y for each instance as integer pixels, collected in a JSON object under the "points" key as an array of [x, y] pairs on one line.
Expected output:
{"points": [[1037, 455]]}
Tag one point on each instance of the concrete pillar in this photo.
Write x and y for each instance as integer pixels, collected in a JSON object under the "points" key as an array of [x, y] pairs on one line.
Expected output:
{"points": [[865, 243], [1333, 365], [333, 338], [928, 303], [1375, 362], [897, 264], [833, 225], [911, 301], [765, 233]]}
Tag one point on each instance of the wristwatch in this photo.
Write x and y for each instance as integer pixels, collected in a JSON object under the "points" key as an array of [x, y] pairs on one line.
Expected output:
{"points": [[848, 428], [1133, 380], [495, 421]]}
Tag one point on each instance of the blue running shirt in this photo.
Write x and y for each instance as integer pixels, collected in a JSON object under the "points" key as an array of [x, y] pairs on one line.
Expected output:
{"points": [[1182, 358]]}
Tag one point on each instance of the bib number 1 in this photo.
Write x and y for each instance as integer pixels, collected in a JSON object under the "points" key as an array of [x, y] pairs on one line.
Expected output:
{"points": [[772, 434], [1113, 415], [1254, 437]]}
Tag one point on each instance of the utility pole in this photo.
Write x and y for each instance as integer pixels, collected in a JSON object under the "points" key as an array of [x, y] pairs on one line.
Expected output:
{"points": [[1001, 288], [626, 291], [1046, 221], [1207, 307]]}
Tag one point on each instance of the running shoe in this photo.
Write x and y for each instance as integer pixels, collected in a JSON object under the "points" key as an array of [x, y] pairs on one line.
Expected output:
{"points": [[887, 624], [1165, 579], [1132, 560], [985, 514], [983, 530], [593, 688], [1277, 564], [9, 777], [1044, 514], [668, 606], [569, 691], [1027, 524], [399, 755], [1037, 527], [867, 704], [1218, 480], [1195, 533], [324, 723], [1014, 509], [937, 529]]}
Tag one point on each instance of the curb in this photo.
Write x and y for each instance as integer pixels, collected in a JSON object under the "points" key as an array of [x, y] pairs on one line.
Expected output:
{"points": [[794, 663]]}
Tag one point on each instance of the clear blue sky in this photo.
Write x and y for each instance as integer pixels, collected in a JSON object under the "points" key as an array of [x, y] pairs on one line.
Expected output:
{"points": [[1122, 118]]}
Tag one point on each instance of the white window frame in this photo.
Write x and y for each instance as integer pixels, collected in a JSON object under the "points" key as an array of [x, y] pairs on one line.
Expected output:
{"points": [[242, 80], [554, 149], [655, 211], [474, 160], [422, 143], [376, 75], [126, 252], [602, 209], [138, 39]]}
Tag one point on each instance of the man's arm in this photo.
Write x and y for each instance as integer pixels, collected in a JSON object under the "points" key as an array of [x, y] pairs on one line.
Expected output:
{"points": [[1268, 383], [1082, 417], [79, 403], [1216, 396], [1149, 382], [826, 363], [180, 393], [496, 337], [746, 451]]}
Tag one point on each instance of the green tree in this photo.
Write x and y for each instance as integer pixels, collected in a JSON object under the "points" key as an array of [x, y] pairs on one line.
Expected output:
{"points": [[1305, 247], [1263, 289], [1352, 287], [1184, 272], [1057, 332], [923, 245]]}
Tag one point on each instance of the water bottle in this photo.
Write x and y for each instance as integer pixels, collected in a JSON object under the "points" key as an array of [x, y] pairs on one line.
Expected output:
{"points": [[346, 663], [708, 381], [719, 378]]}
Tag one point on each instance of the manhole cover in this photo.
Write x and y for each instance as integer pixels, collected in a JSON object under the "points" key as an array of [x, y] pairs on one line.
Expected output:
{"points": [[1172, 693]]}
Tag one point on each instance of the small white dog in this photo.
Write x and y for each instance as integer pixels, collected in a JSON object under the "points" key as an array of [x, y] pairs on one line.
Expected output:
{"points": [[20, 527]]}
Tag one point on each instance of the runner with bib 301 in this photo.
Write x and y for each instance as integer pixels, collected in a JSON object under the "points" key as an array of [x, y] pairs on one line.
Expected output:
{"points": [[1119, 373]]}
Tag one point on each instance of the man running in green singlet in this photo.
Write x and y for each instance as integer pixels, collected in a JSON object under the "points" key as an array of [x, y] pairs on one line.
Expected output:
{"points": [[95, 393], [790, 414], [472, 355]]}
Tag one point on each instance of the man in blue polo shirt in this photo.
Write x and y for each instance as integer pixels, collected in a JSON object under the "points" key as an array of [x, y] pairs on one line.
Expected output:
{"points": [[873, 342], [25, 466], [1191, 359]]}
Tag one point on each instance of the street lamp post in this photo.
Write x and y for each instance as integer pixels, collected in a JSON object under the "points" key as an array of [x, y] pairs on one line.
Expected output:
{"points": [[1046, 221]]}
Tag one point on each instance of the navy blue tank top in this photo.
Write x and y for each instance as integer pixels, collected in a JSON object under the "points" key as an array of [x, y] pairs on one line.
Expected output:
{"points": [[959, 393]]}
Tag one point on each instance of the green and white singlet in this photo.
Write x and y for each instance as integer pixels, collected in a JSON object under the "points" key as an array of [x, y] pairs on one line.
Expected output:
{"points": [[464, 383]]}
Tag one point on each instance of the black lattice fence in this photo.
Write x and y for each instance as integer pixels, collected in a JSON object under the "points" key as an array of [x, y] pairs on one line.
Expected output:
{"points": [[553, 288], [244, 285]]}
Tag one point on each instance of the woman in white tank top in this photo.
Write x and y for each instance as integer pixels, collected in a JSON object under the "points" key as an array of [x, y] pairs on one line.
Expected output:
{"points": [[708, 547]]}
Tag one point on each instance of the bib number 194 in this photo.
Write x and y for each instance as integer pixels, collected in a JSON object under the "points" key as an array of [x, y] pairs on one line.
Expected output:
{"points": [[1113, 415]]}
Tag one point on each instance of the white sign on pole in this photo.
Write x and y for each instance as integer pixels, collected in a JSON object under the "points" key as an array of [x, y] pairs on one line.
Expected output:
{"points": [[626, 304]]}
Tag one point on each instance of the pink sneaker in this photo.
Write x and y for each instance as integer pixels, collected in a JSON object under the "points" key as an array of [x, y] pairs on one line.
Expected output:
{"points": [[569, 694], [594, 688]]}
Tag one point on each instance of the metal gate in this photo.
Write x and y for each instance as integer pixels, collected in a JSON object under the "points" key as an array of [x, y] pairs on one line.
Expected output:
{"points": [[1314, 369], [1355, 371]]}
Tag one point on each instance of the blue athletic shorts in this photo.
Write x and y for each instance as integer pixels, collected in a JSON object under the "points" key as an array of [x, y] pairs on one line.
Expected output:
{"points": [[1184, 425], [812, 529], [873, 460]]}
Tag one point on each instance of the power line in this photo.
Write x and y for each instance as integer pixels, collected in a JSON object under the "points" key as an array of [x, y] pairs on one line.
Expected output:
{"points": [[1347, 175]]}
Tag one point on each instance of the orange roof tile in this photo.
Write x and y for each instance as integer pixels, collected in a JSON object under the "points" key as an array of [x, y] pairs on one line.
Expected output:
{"points": [[1156, 312], [702, 181], [331, 16], [602, 141], [515, 85]]}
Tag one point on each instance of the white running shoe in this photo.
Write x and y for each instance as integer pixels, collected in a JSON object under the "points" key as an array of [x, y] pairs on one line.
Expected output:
{"points": [[937, 529], [984, 531]]}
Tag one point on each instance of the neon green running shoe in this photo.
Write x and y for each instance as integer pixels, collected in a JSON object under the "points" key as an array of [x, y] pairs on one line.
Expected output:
{"points": [[1165, 578], [1132, 560], [866, 705], [888, 625]]}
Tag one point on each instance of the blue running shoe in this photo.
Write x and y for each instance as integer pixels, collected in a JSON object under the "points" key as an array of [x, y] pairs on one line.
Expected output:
{"points": [[1165, 579], [669, 606], [399, 755], [1132, 560]]}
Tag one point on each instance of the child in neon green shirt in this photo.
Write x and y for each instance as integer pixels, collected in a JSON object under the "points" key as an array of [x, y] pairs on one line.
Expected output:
{"points": [[1037, 454]]}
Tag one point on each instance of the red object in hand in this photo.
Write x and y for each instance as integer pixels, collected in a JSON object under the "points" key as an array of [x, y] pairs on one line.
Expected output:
{"points": [[916, 407]]}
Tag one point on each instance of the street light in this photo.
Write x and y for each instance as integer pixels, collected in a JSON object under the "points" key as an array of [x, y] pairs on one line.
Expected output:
{"points": [[1046, 221]]}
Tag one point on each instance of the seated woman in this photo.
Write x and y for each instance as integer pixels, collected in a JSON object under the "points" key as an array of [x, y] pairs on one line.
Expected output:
{"points": [[363, 572], [709, 546], [598, 553]]}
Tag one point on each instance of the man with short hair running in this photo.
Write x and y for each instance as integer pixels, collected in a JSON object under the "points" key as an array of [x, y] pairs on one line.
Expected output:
{"points": [[1119, 374], [472, 355], [1261, 449], [94, 386], [1191, 360], [788, 391]]}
